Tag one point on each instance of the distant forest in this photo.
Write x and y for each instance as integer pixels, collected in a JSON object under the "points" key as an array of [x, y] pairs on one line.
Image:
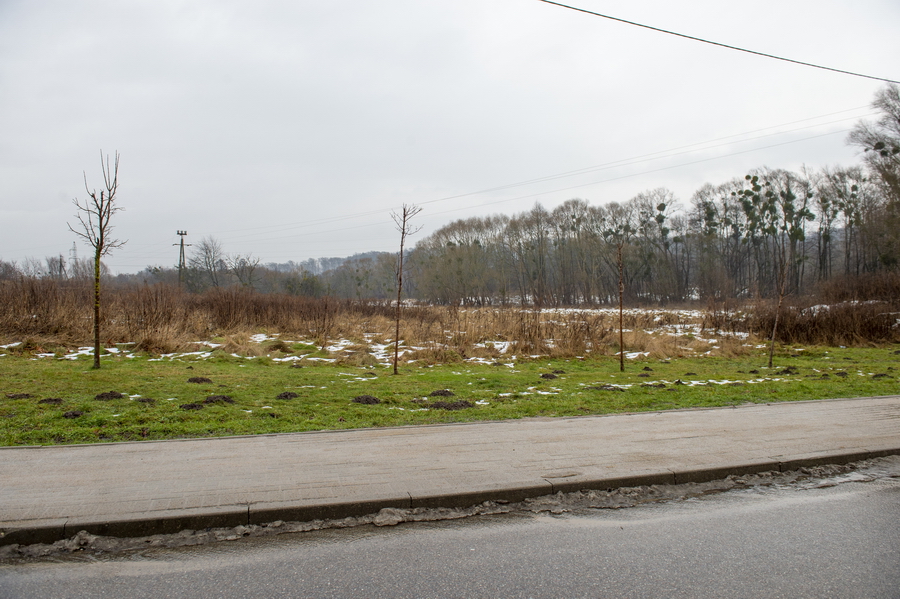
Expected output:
{"points": [[754, 236]]}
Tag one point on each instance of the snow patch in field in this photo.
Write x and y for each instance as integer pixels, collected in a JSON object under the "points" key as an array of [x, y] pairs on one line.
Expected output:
{"points": [[288, 359], [261, 337]]}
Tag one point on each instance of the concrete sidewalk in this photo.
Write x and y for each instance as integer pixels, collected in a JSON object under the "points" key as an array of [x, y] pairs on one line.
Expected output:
{"points": [[134, 489]]}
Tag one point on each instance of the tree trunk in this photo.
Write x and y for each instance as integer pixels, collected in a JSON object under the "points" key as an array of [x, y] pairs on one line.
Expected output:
{"points": [[97, 309], [621, 303]]}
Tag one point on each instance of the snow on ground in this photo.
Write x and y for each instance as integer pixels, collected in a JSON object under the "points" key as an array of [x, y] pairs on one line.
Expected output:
{"points": [[687, 325]]}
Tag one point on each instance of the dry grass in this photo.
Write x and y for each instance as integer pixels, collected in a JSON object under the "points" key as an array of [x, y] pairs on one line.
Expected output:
{"points": [[47, 315]]}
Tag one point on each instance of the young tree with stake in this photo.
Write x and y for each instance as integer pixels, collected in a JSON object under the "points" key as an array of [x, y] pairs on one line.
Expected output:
{"points": [[95, 215], [403, 225]]}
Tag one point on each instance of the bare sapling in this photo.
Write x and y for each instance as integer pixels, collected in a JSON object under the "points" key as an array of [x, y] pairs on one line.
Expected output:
{"points": [[621, 265], [782, 286], [95, 226], [402, 220]]}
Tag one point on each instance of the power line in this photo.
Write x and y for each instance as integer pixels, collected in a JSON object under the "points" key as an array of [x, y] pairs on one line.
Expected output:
{"points": [[328, 220], [656, 170], [659, 155], [668, 153], [592, 183], [569, 188], [649, 157], [705, 41], [582, 185]]}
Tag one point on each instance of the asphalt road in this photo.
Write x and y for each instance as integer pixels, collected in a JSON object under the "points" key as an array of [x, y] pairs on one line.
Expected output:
{"points": [[770, 541]]}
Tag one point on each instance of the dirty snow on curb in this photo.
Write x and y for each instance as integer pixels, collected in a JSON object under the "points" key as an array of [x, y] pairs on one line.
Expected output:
{"points": [[559, 503]]}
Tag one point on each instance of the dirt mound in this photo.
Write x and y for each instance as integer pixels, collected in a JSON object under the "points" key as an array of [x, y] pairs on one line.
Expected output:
{"points": [[606, 388], [442, 393], [788, 370], [218, 399], [549, 376], [18, 396], [146, 400], [73, 414], [199, 379], [191, 406], [109, 395], [366, 399], [446, 405], [287, 395]]}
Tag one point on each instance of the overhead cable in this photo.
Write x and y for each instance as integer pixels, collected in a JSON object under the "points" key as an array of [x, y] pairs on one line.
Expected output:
{"points": [[705, 41]]}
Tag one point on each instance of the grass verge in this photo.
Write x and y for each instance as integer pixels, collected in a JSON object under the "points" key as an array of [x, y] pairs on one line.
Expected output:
{"points": [[264, 396]]}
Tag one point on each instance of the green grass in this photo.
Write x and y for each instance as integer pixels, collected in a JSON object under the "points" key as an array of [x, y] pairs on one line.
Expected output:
{"points": [[326, 390]]}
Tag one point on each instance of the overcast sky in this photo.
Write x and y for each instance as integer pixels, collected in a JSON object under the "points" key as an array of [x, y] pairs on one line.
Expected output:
{"points": [[292, 129]]}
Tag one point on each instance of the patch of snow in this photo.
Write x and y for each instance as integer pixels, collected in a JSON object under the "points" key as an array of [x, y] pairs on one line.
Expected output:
{"points": [[260, 337]]}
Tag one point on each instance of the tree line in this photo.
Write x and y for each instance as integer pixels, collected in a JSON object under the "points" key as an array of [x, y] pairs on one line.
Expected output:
{"points": [[764, 234]]}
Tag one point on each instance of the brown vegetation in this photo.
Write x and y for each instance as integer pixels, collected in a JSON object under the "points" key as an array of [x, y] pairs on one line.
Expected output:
{"points": [[46, 315]]}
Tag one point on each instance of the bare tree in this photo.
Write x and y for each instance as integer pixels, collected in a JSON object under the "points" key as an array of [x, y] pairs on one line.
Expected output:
{"points": [[95, 217], [209, 259], [9, 271], [242, 267], [403, 225]]}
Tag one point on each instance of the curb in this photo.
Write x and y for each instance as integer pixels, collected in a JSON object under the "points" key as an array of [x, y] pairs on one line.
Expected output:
{"points": [[48, 531]]}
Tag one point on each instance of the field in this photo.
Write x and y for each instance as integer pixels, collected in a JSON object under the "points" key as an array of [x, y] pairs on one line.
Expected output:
{"points": [[242, 383]]}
